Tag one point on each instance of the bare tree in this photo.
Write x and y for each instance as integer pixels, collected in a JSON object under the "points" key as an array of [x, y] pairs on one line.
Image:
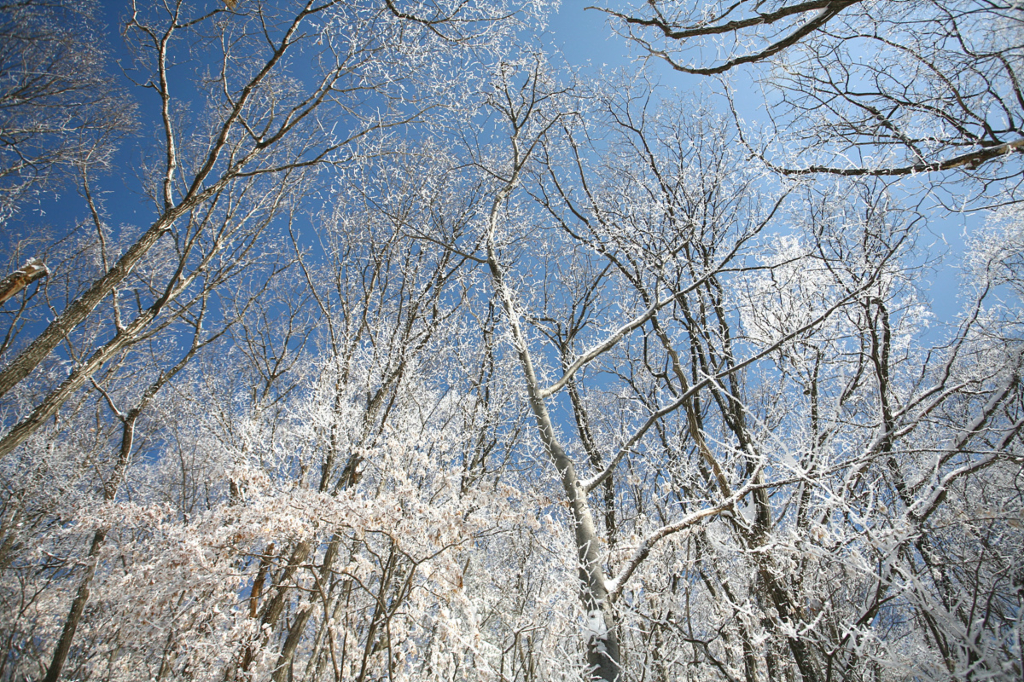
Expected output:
{"points": [[883, 89], [256, 131], [60, 109], [240, 146], [646, 303], [562, 384]]}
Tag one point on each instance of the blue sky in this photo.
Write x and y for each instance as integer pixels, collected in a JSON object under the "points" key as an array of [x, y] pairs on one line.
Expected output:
{"points": [[585, 38]]}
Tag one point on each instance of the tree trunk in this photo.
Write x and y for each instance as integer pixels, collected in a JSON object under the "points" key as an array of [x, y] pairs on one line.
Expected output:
{"points": [[77, 607], [57, 330], [602, 641], [10, 285], [109, 493]]}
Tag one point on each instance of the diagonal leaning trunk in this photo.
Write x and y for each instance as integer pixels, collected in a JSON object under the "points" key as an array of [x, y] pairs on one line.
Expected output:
{"points": [[81, 307]]}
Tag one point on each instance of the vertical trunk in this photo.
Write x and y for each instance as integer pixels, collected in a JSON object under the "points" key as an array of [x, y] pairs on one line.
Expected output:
{"points": [[110, 489], [780, 598], [282, 670], [75, 614], [602, 641], [590, 447], [602, 644]]}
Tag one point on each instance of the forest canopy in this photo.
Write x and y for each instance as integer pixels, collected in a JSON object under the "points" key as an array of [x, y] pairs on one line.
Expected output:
{"points": [[374, 340]]}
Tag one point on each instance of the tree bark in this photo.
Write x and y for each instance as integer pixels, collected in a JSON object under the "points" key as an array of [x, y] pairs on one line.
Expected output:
{"points": [[67, 635], [77, 608], [10, 285], [73, 315], [602, 645]]}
